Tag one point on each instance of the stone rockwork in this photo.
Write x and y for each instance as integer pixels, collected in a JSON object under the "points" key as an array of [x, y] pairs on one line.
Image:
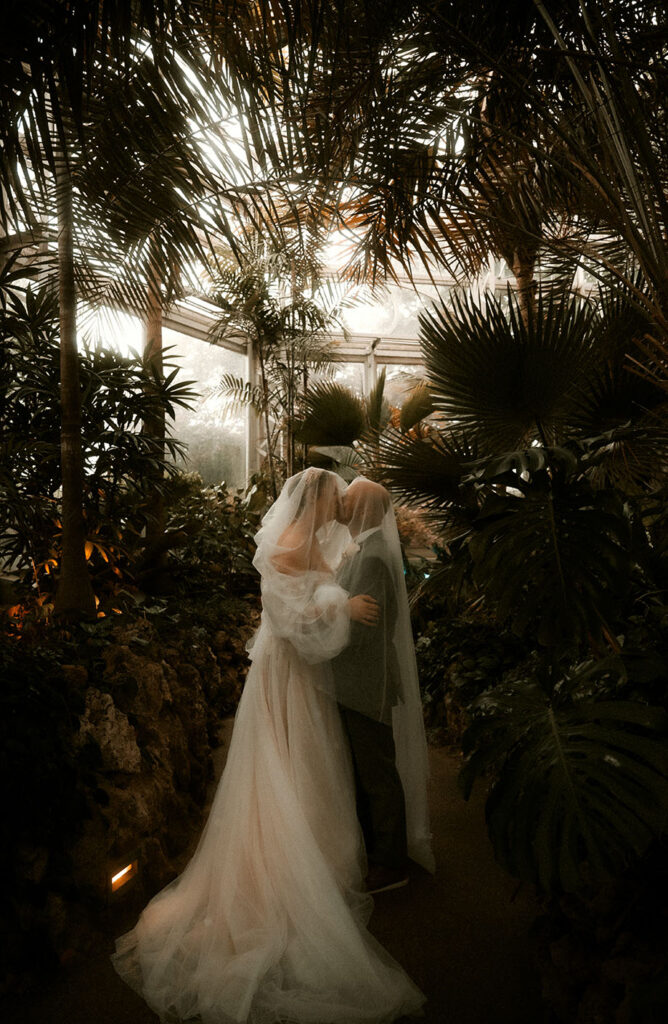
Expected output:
{"points": [[149, 720]]}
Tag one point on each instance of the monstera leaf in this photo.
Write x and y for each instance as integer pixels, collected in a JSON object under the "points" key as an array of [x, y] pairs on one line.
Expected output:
{"points": [[579, 787], [552, 556]]}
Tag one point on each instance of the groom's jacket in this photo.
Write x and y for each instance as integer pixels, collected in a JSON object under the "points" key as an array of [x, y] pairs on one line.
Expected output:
{"points": [[366, 672]]}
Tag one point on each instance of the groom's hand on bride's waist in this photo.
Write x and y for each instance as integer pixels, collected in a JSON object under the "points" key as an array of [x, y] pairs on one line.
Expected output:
{"points": [[365, 609]]}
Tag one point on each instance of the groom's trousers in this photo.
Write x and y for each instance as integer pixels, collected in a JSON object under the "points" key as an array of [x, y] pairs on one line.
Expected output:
{"points": [[381, 807]]}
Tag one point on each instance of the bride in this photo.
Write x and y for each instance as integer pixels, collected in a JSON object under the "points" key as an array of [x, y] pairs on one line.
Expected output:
{"points": [[267, 922]]}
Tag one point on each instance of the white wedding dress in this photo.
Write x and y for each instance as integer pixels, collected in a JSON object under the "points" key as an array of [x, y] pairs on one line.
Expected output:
{"points": [[267, 922]]}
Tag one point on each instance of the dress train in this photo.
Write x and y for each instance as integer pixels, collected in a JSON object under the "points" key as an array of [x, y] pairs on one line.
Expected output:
{"points": [[267, 923]]}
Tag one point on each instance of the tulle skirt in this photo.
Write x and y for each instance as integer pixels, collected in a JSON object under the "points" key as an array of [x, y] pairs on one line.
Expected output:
{"points": [[267, 923]]}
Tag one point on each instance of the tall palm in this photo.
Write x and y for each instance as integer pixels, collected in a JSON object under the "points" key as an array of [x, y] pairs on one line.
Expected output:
{"points": [[411, 132], [445, 132], [58, 64], [619, 78], [281, 303], [102, 114]]}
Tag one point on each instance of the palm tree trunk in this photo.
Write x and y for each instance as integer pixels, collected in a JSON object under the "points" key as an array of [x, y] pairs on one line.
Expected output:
{"points": [[74, 595], [291, 362], [305, 394], [154, 424], [290, 419], [523, 267], [265, 399]]}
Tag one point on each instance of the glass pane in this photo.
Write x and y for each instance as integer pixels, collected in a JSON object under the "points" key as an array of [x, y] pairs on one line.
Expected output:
{"points": [[392, 312], [351, 375], [400, 379], [214, 432]]}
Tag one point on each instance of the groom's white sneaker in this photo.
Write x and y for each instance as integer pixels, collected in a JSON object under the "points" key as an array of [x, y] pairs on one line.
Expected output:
{"points": [[382, 879]]}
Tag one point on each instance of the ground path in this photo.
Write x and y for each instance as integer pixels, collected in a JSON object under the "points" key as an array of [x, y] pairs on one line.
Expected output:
{"points": [[461, 935]]}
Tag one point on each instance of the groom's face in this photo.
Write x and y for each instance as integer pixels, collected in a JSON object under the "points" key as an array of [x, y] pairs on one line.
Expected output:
{"points": [[362, 507], [346, 510]]}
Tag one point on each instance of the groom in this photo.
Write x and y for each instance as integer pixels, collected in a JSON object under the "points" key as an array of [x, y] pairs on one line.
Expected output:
{"points": [[366, 681]]}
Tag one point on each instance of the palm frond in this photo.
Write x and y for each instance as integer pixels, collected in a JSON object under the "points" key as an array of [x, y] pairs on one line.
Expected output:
{"points": [[376, 407], [426, 471], [334, 415], [241, 392], [417, 406], [501, 378]]}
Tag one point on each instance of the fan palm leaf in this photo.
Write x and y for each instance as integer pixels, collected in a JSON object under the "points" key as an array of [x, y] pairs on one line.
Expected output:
{"points": [[502, 379], [428, 471], [333, 415]]}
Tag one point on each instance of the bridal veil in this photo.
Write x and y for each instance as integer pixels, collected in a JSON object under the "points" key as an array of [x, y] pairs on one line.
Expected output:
{"points": [[267, 923]]}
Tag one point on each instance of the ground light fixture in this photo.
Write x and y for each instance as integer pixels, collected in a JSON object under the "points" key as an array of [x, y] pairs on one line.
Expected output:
{"points": [[123, 873]]}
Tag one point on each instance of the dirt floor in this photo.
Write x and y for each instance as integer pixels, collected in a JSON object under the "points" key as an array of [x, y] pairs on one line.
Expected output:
{"points": [[462, 935]]}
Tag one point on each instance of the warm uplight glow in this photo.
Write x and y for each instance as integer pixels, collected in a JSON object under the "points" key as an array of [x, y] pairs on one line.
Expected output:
{"points": [[123, 876]]}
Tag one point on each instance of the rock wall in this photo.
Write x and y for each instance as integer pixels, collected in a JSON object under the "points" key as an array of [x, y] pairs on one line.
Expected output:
{"points": [[150, 716]]}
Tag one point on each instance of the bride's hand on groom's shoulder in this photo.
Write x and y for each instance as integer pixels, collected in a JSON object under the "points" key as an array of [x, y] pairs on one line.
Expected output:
{"points": [[364, 609]]}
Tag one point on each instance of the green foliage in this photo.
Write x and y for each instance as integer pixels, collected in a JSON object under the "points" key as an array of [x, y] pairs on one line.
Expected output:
{"points": [[458, 658], [548, 474], [139, 98], [418, 405], [550, 553], [217, 553], [121, 463], [290, 336], [504, 377], [347, 429], [548, 531], [580, 786], [376, 407], [334, 416], [430, 470]]}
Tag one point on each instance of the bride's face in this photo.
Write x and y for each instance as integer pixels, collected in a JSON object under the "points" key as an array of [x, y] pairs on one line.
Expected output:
{"points": [[329, 505]]}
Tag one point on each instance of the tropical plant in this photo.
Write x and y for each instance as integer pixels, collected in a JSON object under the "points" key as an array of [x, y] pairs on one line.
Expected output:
{"points": [[60, 67], [121, 121], [547, 533], [442, 134], [120, 462], [218, 528], [290, 337], [580, 785], [344, 428]]}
